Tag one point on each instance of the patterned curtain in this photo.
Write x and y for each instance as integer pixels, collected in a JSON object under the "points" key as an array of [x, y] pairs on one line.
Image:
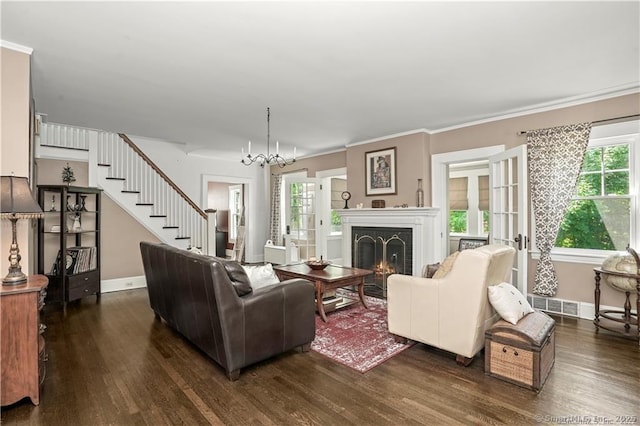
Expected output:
{"points": [[275, 232], [555, 160]]}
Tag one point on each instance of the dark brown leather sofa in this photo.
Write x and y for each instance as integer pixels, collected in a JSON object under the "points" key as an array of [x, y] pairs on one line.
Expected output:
{"points": [[210, 302]]}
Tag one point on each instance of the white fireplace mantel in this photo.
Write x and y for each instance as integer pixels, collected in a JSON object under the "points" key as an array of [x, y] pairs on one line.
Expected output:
{"points": [[423, 221]]}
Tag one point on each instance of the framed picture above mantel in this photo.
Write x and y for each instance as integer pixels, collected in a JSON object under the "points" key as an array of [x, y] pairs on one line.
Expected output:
{"points": [[380, 172]]}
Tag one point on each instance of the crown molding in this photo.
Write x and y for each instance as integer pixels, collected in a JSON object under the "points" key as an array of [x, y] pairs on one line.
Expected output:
{"points": [[318, 154], [551, 106], [16, 47], [395, 135]]}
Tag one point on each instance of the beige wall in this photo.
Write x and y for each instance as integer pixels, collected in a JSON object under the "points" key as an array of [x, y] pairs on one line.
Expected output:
{"points": [[121, 234], [14, 145], [412, 163], [575, 280]]}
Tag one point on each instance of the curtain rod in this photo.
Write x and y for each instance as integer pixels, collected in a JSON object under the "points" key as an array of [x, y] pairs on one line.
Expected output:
{"points": [[606, 120]]}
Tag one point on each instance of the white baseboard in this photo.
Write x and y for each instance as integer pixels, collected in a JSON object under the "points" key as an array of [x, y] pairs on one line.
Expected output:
{"points": [[119, 284]]}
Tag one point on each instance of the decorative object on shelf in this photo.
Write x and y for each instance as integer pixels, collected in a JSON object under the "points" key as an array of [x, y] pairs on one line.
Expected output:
{"points": [[67, 175], [268, 158], [53, 203], [380, 172], [377, 204], [83, 200], [69, 205], [17, 202], [420, 194], [346, 196], [76, 223]]}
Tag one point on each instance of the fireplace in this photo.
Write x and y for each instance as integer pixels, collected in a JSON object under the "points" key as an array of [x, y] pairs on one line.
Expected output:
{"points": [[385, 251], [417, 244]]}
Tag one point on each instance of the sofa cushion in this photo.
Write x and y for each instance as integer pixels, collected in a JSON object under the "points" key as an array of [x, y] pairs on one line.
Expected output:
{"points": [[261, 275], [509, 302], [238, 277], [446, 266]]}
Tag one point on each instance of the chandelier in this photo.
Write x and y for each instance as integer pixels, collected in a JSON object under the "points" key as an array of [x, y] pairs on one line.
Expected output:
{"points": [[268, 158]]}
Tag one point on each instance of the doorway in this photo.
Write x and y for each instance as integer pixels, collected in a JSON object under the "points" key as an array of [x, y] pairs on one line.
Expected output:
{"points": [[309, 212], [228, 196], [508, 219]]}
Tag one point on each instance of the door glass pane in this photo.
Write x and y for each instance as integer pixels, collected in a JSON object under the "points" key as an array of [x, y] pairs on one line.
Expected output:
{"points": [[302, 217], [514, 170]]}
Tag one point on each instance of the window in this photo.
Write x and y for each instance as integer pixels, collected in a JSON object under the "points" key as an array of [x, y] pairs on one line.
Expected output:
{"points": [[458, 221], [469, 198], [458, 204], [603, 215], [599, 216]]}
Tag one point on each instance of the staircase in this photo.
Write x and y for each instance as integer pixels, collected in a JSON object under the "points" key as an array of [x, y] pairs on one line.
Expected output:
{"points": [[134, 182]]}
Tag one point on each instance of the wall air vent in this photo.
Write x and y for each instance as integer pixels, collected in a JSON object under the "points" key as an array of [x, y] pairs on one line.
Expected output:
{"points": [[555, 306]]}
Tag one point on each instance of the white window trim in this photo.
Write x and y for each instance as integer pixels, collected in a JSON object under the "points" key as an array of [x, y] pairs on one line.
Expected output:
{"points": [[612, 134]]}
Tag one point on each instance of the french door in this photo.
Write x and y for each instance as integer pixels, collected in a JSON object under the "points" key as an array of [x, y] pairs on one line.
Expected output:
{"points": [[302, 199], [508, 208]]}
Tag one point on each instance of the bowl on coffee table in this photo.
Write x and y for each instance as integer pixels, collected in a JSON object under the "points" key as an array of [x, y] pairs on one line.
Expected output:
{"points": [[317, 265]]}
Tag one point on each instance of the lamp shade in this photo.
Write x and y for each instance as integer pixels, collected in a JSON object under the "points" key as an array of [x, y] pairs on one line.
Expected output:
{"points": [[16, 199]]}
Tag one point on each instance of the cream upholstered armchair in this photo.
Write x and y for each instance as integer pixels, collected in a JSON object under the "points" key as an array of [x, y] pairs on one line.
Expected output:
{"points": [[452, 312]]}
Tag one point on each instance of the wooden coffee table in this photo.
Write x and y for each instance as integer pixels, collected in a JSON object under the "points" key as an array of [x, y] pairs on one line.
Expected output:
{"points": [[331, 277]]}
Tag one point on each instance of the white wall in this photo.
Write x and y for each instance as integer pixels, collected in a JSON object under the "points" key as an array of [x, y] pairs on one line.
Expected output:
{"points": [[188, 171]]}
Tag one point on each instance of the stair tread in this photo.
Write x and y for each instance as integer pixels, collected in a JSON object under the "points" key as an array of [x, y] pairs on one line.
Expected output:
{"points": [[104, 165], [183, 238], [157, 215], [130, 192], [144, 204], [169, 227], [115, 178]]}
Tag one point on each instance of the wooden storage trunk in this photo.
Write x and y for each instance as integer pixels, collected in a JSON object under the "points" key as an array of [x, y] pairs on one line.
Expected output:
{"points": [[522, 354]]}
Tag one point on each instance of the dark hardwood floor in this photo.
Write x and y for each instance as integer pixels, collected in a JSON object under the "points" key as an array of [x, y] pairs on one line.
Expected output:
{"points": [[113, 363]]}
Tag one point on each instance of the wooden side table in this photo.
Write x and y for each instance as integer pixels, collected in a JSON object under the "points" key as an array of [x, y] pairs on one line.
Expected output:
{"points": [[22, 350], [625, 317]]}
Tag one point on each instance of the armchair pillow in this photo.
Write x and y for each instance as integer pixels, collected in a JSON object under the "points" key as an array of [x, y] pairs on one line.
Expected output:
{"points": [[429, 270], [509, 302], [446, 266]]}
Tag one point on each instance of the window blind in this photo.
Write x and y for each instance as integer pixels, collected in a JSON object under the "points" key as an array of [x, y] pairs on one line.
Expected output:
{"points": [[458, 194], [483, 193]]}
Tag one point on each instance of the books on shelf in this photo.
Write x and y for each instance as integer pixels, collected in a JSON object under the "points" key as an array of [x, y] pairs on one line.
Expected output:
{"points": [[77, 260]]}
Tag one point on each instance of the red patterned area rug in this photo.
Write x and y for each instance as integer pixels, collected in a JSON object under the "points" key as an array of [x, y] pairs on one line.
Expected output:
{"points": [[355, 336]]}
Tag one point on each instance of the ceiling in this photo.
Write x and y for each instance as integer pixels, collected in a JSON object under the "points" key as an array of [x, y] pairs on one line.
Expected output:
{"points": [[333, 73]]}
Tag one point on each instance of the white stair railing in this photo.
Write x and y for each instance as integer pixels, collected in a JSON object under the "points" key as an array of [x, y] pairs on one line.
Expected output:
{"points": [[139, 175]]}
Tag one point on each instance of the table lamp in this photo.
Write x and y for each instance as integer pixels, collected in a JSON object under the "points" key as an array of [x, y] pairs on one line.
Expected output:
{"points": [[16, 202]]}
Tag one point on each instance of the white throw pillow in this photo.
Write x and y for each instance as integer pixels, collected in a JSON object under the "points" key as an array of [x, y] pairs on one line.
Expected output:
{"points": [[509, 302], [261, 275]]}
